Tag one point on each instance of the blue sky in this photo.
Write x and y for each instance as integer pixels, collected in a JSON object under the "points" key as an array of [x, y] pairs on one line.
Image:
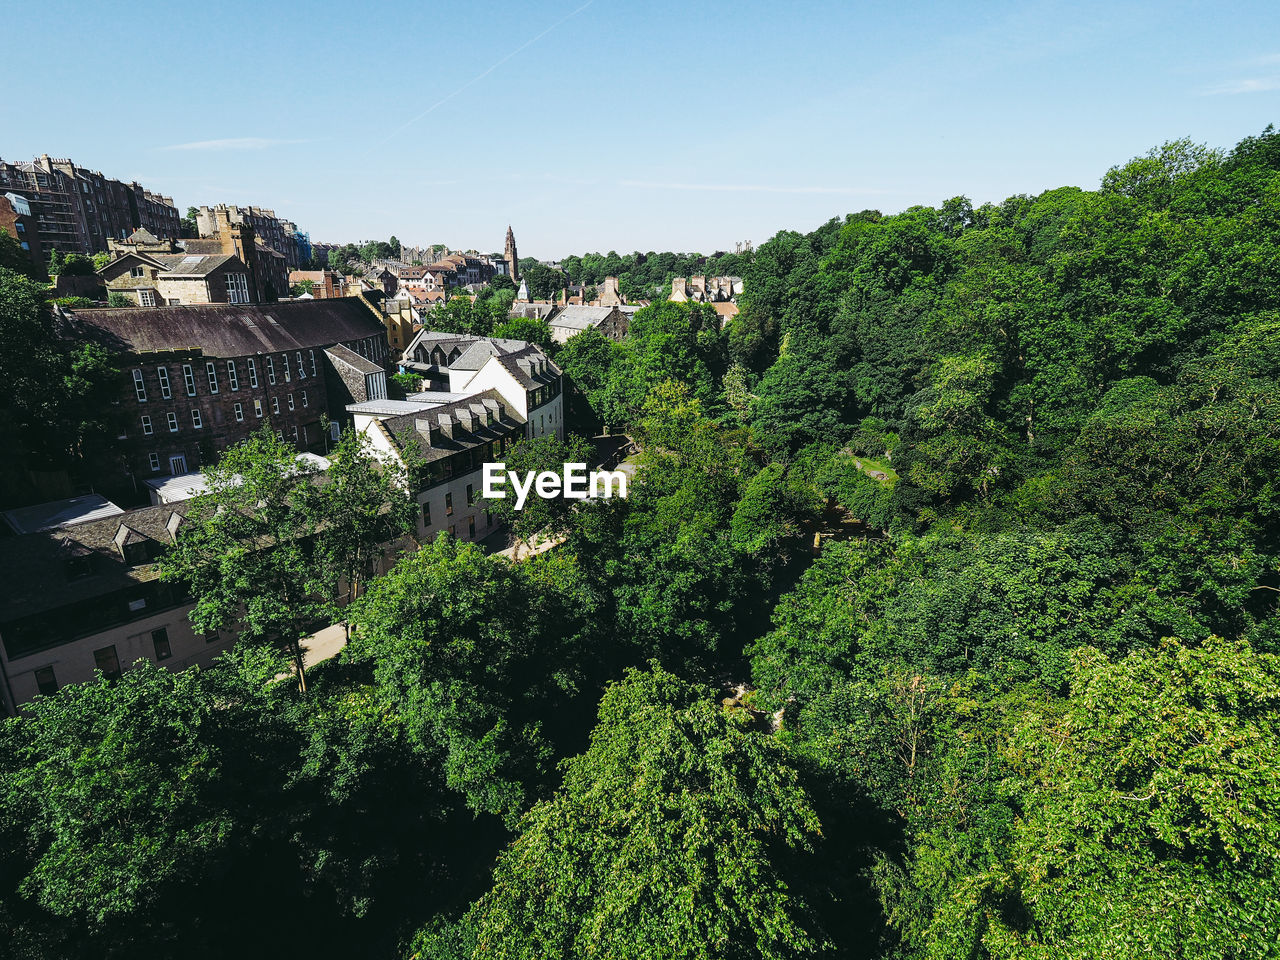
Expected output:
{"points": [[622, 125]]}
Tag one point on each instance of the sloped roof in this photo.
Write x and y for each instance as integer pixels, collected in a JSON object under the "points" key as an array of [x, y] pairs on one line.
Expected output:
{"points": [[404, 430], [192, 265], [581, 318], [352, 359], [225, 329], [142, 235], [33, 566]]}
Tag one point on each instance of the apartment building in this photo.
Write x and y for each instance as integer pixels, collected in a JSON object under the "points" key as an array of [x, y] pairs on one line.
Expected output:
{"points": [[79, 210]]}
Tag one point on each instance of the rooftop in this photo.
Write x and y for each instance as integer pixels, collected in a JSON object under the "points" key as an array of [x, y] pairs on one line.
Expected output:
{"points": [[61, 513]]}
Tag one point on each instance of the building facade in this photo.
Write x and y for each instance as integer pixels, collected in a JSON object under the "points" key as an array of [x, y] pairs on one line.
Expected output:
{"points": [[85, 597], [79, 210], [18, 220], [255, 365]]}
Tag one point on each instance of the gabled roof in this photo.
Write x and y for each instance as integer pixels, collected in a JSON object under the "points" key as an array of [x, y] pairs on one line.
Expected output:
{"points": [[150, 259], [33, 566], [142, 235], [192, 265]]}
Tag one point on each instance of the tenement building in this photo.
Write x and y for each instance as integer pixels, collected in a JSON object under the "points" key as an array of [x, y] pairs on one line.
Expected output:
{"points": [[201, 378], [79, 210], [480, 396]]}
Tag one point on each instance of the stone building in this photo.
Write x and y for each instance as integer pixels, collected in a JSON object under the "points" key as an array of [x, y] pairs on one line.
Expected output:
{"points": [[81, 594], [225, 229], [79, 210], [17, 220], [571, 320], [172, 279], [201, 378], [280, 235], [325, 284]]}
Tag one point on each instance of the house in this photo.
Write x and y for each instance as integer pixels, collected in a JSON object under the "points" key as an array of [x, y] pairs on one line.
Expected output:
{"points": [[325, 284], [571, 320], [160, 279], [483, 395], [200, 378], [82, 595]]}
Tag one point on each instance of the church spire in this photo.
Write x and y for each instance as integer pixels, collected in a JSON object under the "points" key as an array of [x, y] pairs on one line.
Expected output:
{"points": [[509, 255]]}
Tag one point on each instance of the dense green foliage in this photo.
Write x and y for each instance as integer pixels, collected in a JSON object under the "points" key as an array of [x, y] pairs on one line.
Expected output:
{"points": [[940, 621]]}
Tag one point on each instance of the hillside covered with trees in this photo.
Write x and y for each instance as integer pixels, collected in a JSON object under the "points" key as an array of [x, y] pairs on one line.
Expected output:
{"points": [[941, 621]]}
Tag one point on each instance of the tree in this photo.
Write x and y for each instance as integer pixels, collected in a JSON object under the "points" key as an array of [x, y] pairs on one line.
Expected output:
{"points": [[674, 835], [539, 516], [470, 651], [246, 549], [120, 790], [13, 257], [528, 329], [1149, 824], [359, 510], [190, 227]]}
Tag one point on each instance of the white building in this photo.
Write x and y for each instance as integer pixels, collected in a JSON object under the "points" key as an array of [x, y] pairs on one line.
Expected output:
{"points": [[484, 395]]}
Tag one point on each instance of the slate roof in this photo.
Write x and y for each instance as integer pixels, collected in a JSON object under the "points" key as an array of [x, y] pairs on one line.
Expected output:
{"points": [[581, 318], [179, 265], [352, 359], [33, 567], [464, 418], [224, 329]]}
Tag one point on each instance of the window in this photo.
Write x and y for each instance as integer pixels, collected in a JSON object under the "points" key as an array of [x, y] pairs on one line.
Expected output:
{"points": [[471, 526], [147, 298], [448, 505], [304, 399], [295, 434], [426, 513], [284, 365], [173, 422], [335, 431], [195, 419], [275, 405], [239, 411], [137, 272], [257, 408], [177, 467], [290, 401], [107, 661], [139, 387], [237, 288], [212, 637], [232, 378], [253, 373], [212, 371], [271, 371], [471, 498], [313, 362], [154, 460], [189, 377], [146, 426], [46, 682], [302, 371], [163, 374], [160, 640]]}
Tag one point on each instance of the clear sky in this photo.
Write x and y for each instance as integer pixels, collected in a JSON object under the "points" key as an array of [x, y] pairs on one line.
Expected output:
{"points": [[616, 124]]}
